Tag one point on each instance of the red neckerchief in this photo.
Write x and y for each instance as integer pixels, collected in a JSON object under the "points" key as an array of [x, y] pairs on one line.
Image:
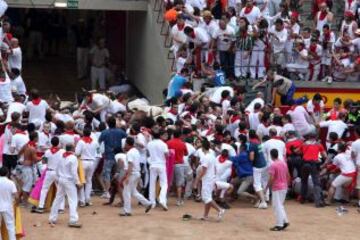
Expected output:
{"points": [[47, 134], [222, 158], [193, 35], [352, 185], [36, 101], [66, 154], [87, 140], [181, 26], [233, 118], [248, 9], [32, 144], [327, 36], [254, 140], [20, 132], [54, 150], [209, 132], [313, 48], [69, 132], [317, 107], [333, 114], [174, 112], [292, 108], [219, 137], [322, 15], [243, 34], [243, 132]]}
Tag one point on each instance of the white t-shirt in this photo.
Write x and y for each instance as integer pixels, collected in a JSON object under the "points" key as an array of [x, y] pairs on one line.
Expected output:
{"points": [[208, 161], [121, 158], [286, 128], [262, 130], [87, 150], [15, 58], [250, 107], [117, 106], [15, 107], [216, 94], [178, 34], [64, 117], [53, 158], [274, 144], [222, 167], [209, 28], [44, 140], [18, 141], [254, 120], [299, 120], [157, 150], [253, 16], [344, 162], [310, 107], [37, 112], [224, 38], [7, 191], [201, 37], [355, 149], [133, 156], [336, 126], [5, 90], [278, 44], [67, 138], [99, 100]]}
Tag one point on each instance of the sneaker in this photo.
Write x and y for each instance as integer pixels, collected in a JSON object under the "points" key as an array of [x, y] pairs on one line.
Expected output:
{"points": [[81, 204], [105, 195], [221, 214], [61, 211], [39, 210], [256, 205], [125, 214], [75, 225], [148, 208], [87, 204], [164, 207], [178, 203], [329, 80], [263, 205], [325, 79], [286, 225]]}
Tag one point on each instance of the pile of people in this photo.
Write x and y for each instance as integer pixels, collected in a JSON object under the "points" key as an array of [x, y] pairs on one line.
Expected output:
{"points": [[243, 38], [204, 146]]}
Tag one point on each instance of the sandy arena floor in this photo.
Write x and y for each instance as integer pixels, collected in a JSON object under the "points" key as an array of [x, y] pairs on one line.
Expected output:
{"points": [[240, 222]]}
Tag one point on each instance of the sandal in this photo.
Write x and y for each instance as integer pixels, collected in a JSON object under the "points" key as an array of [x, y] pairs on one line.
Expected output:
{"points": [[276, 229]]}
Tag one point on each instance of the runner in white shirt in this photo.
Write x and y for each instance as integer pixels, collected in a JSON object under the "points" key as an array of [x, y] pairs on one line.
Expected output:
{"points": [[355, 155], [8, 194], [52, 157], [97, 104], [315, 107], [348, 171], [158, 152], [324, 16], [223, 167], [15, 56], [208, 23], [207, 176], [132, 178], [87, 149], [301, 120], [117, 106], [301, 63], [69, 137], [259, 99], [251, 12], [338, 126], [19, 139], [274, 143], [37, 108], [278, 37], [5, 89], [177, 34], [68, 180], [17, 107]]}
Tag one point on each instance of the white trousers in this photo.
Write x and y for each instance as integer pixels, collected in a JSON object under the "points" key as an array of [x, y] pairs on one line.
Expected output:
{"points": [[278, 200], [82, 61], [9, 221], [297, 68], [257, 62], [98, 75], [241, 64], [85, 191], [50, 178], [156, 172], [65, 188], [315, 74], [130, 189], [260, 178]]}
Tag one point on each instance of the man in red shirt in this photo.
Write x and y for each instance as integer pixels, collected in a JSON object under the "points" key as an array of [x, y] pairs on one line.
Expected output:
{"points": [[178, 145], [311, 164], [294, 159]]}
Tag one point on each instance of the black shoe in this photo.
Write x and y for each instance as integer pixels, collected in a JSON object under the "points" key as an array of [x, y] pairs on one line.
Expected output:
{"points": [[39, 210], [125, 214], [276, 229], [148, 208], [286, 225]]}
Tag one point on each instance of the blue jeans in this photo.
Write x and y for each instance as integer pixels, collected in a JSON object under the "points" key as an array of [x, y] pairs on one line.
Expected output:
{"points": [[107, 169], [288, 99]]}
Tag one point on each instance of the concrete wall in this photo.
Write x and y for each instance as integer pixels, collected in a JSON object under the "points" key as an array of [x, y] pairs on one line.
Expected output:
{"points": [[147, 64], [131, 5]]}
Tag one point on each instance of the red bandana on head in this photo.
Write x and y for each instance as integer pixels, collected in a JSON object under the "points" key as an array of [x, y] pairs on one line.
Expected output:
{"points": [[36, 101], [54, 150], [87, 140]]}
